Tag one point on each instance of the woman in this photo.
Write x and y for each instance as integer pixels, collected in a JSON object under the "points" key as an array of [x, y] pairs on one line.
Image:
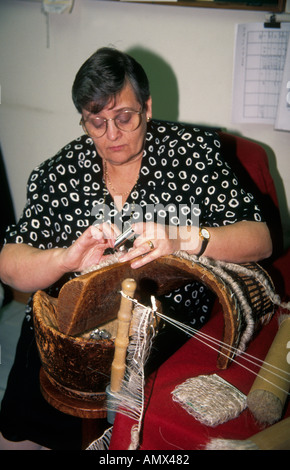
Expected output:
{"points": [[80, 200]]}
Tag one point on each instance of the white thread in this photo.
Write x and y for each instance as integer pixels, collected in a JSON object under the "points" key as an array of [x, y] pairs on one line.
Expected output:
{"points": [[130, 399], [103, 442], [198, 335], [227, 444], [210, 399]]}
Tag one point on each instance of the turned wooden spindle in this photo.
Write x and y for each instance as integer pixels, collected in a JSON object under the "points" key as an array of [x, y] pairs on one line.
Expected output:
{"points": [[276, 437], [122, 338], [270, 389]]}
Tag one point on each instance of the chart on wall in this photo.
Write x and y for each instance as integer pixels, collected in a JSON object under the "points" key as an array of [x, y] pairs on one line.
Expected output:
{"points": [[261, 84]]}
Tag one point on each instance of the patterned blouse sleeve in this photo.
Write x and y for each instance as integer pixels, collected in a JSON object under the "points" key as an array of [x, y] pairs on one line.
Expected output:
{"points": [[224, 201], [34, 226]]}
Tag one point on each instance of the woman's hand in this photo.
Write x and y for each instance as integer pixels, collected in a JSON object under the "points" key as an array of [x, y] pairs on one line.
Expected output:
{"points": [[155, 240], [241, 242], [89, 248]]}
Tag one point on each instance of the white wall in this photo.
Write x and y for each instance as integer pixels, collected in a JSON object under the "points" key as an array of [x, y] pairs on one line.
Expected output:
{"points": [[37, 116]]}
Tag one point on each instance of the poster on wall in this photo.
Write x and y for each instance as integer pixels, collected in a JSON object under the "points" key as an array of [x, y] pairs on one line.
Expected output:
{"points": [[283, 112], [259, 74]]}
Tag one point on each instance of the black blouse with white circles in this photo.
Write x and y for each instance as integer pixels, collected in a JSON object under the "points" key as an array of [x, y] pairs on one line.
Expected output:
{"points": [[183, 178]]}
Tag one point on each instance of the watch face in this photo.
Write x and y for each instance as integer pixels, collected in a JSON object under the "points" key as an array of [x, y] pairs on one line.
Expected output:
{"points": [[205, 233]]}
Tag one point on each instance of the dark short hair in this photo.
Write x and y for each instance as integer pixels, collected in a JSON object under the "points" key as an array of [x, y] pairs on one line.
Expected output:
{"points": [[104, 75]]}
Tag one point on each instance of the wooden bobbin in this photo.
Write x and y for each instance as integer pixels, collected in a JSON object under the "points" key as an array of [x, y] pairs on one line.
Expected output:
{"points": [[276, 437], [270, 389], [122, 338]]}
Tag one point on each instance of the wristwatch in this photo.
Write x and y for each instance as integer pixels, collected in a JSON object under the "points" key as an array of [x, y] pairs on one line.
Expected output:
{"points": [[205, 237]]}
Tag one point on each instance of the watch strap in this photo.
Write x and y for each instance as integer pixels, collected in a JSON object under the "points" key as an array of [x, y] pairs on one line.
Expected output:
{"points": [[204, 242]]}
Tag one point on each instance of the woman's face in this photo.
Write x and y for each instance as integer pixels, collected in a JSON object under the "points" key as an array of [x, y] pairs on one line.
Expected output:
{"points": [[116, 146]]}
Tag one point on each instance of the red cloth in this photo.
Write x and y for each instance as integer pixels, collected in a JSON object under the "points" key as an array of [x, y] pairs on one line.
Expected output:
{"points": [[166, 425]]}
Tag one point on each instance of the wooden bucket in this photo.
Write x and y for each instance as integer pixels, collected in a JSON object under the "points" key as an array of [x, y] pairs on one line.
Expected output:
{"points": [[79, 367]]}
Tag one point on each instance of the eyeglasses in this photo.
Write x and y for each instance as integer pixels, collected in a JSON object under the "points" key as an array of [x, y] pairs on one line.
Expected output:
{"points": [[127, 121]]}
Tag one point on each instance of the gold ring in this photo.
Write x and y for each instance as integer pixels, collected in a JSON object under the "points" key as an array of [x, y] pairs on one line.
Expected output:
{"points": [[150, 244]]}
